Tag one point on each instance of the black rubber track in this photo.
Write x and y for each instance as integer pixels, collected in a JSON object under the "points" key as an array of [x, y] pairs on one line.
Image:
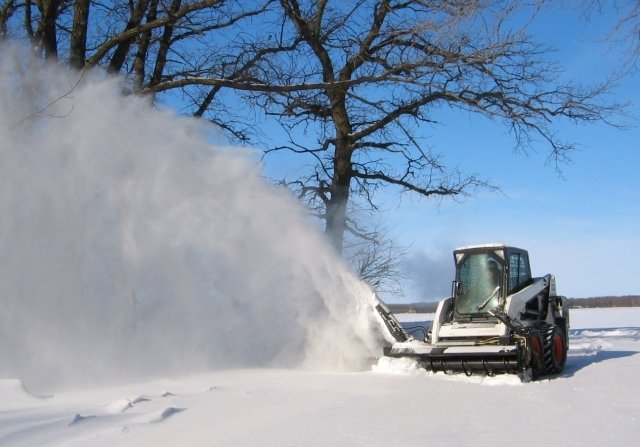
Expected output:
{"points": [[555, 350], [536, 347]]}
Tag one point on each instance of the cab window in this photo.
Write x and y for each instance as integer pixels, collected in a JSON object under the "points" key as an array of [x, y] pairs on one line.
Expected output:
{"points": [[479, 281], [519, 273]]}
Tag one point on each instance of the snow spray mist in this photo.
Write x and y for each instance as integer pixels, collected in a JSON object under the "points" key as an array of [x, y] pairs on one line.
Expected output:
{"points": [[131, 246]]}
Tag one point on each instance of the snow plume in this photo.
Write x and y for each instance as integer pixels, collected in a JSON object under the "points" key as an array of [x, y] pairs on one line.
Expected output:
{"points": [[130, 245], [427, 274]]}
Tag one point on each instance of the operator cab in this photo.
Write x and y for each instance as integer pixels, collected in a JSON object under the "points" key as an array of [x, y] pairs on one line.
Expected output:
{"points": [[485, 276]]}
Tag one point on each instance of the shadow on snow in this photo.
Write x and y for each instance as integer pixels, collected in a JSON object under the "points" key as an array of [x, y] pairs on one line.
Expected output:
{"points": [[589, 346]]}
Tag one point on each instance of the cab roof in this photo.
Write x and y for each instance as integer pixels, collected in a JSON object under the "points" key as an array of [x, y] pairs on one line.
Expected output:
{"points": [[493, 246]]}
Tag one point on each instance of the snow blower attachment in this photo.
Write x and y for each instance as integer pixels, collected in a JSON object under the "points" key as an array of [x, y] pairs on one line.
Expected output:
{"points": [[498, 320]]}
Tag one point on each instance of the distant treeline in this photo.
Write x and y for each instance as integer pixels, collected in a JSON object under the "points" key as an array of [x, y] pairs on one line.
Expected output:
{"points": [[599, 301], [606, 301]]}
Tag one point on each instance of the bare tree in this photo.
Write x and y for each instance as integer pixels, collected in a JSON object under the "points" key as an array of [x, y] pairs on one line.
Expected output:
{"points": [[352, 83], [626, 30], [377, 259], [149, 42], [363, 77]]}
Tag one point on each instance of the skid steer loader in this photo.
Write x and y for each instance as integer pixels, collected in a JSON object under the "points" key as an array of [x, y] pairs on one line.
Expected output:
{"points": [[498, 319]]}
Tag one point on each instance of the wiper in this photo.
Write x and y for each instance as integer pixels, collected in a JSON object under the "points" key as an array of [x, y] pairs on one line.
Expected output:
{"points": [[489, 298]]}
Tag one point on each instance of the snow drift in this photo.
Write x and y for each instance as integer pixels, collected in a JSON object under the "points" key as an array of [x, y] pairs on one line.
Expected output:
{"points": [[594, 402], [129, 244]]}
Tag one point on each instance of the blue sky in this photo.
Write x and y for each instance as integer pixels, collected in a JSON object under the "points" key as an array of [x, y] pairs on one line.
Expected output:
{"points": [[583, 225]]}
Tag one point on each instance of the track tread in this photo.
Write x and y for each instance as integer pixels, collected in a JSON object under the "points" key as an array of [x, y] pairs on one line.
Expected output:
{"points": [[537, 361], [550, 363]]}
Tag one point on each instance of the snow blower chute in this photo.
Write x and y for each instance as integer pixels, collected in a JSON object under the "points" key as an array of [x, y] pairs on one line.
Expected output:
{"points": [[498, 319]]}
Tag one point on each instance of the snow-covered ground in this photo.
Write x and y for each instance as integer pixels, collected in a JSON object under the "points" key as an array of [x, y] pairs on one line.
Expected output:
{"points": [[594, 402]]}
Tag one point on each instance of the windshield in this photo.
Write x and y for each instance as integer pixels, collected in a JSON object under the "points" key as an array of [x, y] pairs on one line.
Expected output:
{"points": [[479, 284]]}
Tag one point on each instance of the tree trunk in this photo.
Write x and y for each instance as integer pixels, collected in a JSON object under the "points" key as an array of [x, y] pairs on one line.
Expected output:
{"points": [[121, 51], [336, 210], [46, 34], [164, 44], [78, 46], [336, 207], [139, 64], [6, 11]]}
